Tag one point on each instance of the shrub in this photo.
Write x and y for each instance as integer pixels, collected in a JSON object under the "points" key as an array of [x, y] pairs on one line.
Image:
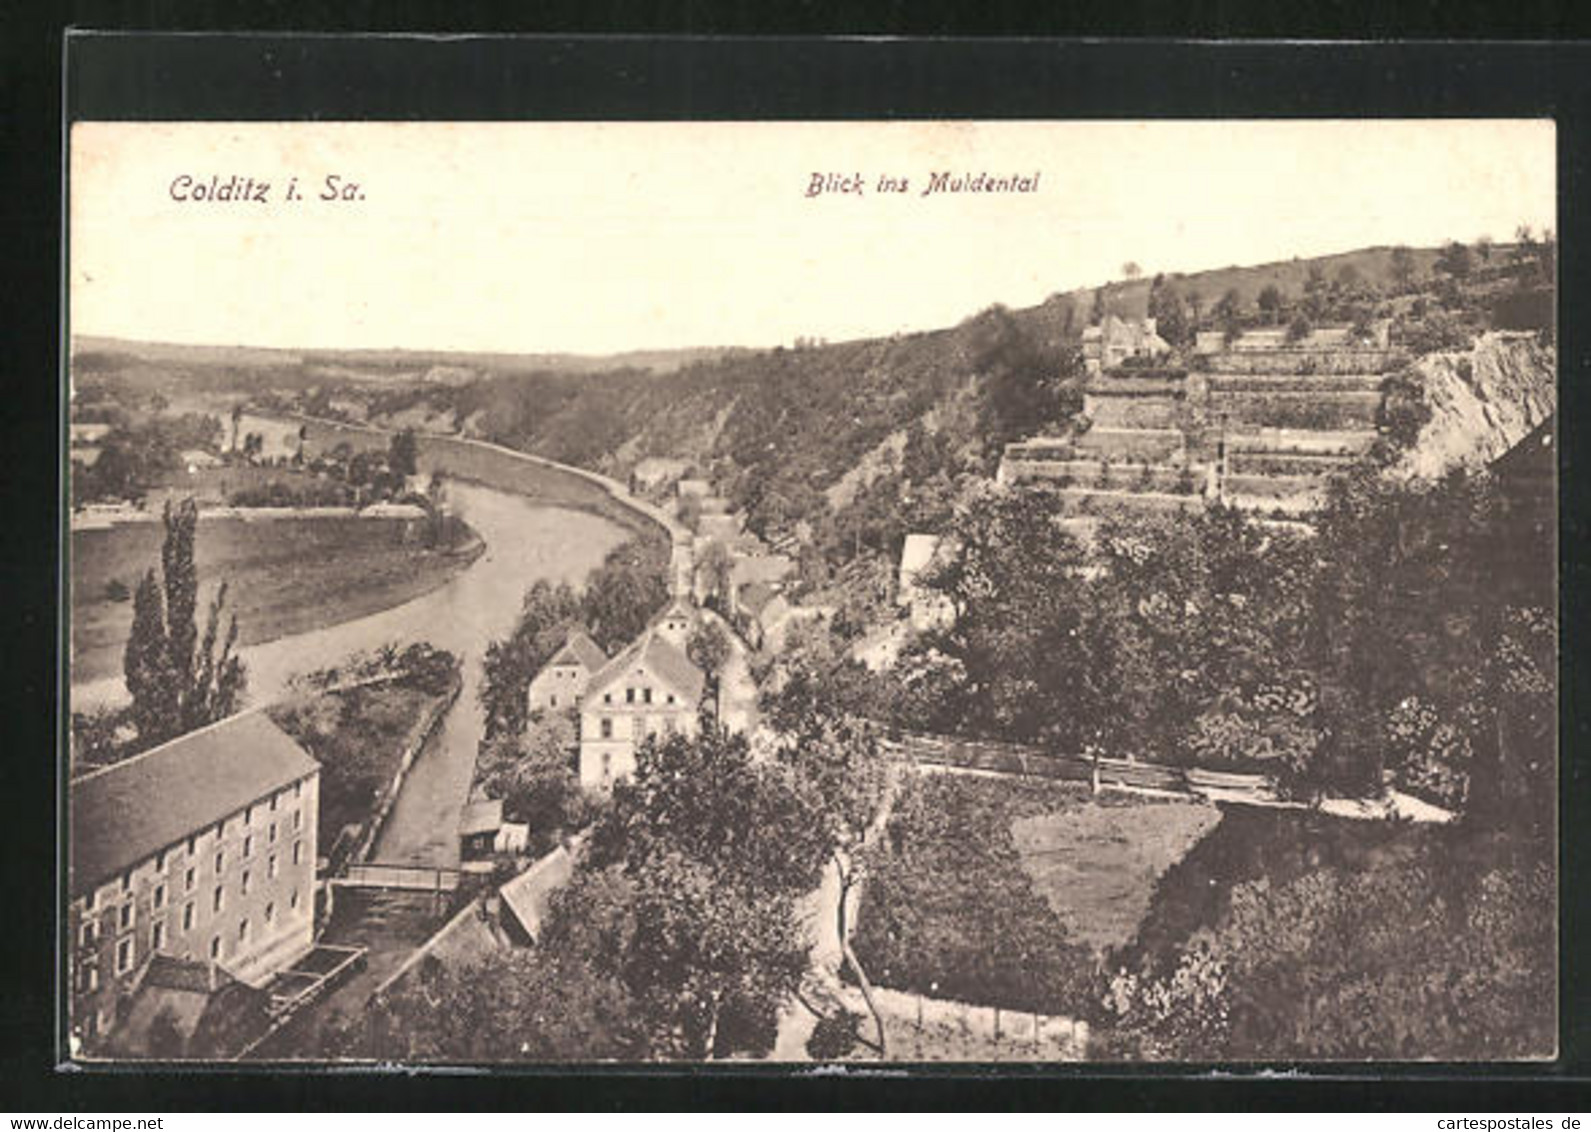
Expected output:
{"points": [[835, 1036], [1299, 329], [116, 590]]}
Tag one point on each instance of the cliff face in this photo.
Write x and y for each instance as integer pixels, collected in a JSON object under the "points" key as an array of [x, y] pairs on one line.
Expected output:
{"points": [[1482, 402]]}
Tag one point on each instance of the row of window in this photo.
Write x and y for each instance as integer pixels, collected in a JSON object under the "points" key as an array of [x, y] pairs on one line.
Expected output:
{"points": [[162, 858], [630, 696], [638, 726], [126, 914], [127, 952]]}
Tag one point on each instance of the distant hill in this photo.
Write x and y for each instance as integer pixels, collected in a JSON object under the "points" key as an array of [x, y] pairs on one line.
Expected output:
{"points": [[376, 365], [776, 428]]}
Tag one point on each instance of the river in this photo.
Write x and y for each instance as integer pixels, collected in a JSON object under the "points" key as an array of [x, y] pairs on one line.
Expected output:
{"points": [[524, 541]]}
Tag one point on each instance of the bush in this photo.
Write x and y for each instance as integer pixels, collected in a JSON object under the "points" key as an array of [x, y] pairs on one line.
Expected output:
{"points": [[1299, 329], [116, 590], [835, 1036], [950, 911]]}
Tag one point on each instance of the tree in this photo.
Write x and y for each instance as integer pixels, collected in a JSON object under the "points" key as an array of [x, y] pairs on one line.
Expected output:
{"points": [[237, 420], [688, 891], [1402, 266], [547, 615], [709, 649], [1229, 314], [1171, 316], [177, 681], [1131, 270], [1096, 310], [1270, 302], [1024, 386], [716, 567], [402, 453], [1455, 260], [1484, 247], [626, 591], [518, 1005]]}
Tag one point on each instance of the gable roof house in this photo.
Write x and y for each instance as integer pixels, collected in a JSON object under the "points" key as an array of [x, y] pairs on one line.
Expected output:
{"points": [[1114, 340], [649, 689], [562, 680]]}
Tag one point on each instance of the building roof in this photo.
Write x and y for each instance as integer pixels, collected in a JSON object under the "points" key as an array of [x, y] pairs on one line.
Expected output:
{"points": [[694, 487], [86, 455], [133, 809], [761, 568], [528, 894], [485, 816], [88, 430], [579, 649], [670, 664], [679, 607]]}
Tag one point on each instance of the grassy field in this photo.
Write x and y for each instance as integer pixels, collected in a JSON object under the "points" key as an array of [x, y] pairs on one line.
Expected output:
{"points": [[286, 576], [1003, 892]]}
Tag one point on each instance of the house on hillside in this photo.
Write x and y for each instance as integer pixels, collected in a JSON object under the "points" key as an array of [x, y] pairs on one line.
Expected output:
{"points": [[723, 527], [200, 850], [926, 608], [693, 488], [656, 473], [562, 680], [525, 898], [1114, 340], [759, 569], [650, 688]]}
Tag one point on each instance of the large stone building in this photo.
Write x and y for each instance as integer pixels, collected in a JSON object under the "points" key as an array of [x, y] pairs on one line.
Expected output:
{"points": [[200, 851], [649, 689]]}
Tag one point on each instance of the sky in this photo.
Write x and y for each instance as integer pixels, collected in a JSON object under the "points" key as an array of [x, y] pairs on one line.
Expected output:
{"points": [[598, 238]]}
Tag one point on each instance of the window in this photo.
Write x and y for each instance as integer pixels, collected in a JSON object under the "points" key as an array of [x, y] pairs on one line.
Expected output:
{"points": [[127, 881], [243, 929], [124, 956], [270, 912], [124, 918], [298, 788], [270, 866], [245, 884], [160, 897], [218, 898], [607, 697], [187, 917], [88, 934], [215, 947], [160, 862], [273, 803], [220, 863], [553, 701], [607, 765], [248, 815], [629, 695], [248, 845], [298, 848], [271, 837], [93, 979], [157, 939], [292, 899], [188, 879], [646, 695], [607, 728], [93, 900], [671, 697], [220, 829], [298, 818], [193, 844]]}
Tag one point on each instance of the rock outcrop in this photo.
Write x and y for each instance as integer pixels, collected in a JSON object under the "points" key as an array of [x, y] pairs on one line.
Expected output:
{"points": [[1483, 402]]}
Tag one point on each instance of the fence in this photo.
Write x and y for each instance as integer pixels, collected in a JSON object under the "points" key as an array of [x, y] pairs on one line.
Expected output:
{"points": [[993, 757]]}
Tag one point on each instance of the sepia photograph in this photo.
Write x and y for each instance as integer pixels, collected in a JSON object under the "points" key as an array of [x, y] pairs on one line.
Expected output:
{"points": [[797, 593]]}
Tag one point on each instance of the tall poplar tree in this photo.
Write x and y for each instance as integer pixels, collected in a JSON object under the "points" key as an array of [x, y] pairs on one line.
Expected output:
{"points": [[177, 680]]}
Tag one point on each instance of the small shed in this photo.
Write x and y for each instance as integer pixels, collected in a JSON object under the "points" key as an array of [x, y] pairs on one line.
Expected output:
{"points": [[479, 824]]}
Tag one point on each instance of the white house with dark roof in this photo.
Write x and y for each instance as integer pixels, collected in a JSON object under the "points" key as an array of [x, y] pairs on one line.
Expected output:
{"points": [[200, 850], [650, 688], [562, 680]]}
